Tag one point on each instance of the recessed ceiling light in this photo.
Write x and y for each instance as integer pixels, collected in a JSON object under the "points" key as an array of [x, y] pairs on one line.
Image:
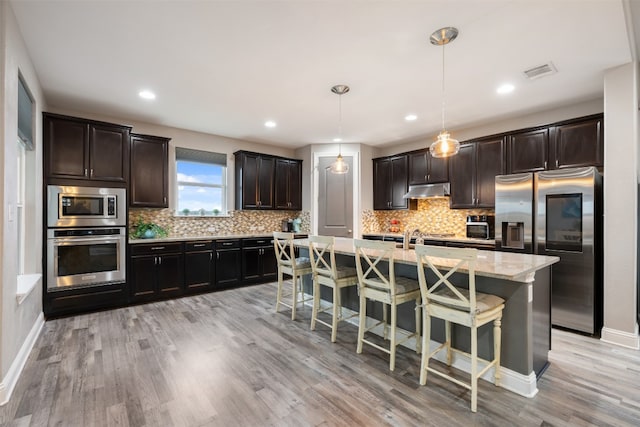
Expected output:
{"points": [[147, 94], [270, 124], [337, 139], [410, 117], [505, 88]]}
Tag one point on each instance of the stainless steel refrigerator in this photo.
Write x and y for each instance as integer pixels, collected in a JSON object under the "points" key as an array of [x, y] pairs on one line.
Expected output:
{"points": [[558, 213]]}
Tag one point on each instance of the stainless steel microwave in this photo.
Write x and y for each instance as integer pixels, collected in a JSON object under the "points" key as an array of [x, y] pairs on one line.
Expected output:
{"points": [[70, 206]]}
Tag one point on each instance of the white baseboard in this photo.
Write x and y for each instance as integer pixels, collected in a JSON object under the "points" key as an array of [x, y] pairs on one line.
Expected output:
{"points": [[621, 338], [524, 385], [11, 379]]}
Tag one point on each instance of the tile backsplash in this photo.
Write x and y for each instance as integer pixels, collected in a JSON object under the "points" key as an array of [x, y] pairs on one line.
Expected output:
{"points": [[432, 216], [237, 222]]}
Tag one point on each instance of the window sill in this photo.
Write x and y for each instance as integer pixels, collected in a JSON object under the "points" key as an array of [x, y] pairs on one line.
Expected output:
{"points": [[26, 284], [203, 216]]}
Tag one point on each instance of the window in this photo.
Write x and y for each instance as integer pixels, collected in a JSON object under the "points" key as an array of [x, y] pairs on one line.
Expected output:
{"points": [[25, 142], [201, 178]]}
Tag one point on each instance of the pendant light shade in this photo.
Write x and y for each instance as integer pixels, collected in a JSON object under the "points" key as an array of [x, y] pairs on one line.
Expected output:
{"points": [[339, 166], [444, 146]]}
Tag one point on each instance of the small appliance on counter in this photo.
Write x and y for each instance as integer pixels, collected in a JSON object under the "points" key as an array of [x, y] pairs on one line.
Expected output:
{"points": [[291, 225], [481, 226], [286, 226]]}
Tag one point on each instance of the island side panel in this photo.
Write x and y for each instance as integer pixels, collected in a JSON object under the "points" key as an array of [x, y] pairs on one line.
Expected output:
{"points": [[541, 323]]}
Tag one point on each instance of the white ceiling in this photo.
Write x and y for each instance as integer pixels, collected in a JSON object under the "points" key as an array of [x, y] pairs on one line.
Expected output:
{"points": [[225, 67]]}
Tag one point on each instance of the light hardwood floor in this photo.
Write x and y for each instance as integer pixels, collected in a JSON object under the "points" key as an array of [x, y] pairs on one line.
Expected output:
{"points": [[227, 359]]}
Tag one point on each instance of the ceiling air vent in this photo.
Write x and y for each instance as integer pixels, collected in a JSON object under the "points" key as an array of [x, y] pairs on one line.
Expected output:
{"points": [[540, 71]]}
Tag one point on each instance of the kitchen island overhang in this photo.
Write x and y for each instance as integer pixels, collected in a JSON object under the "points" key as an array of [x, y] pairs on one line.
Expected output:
{"points": [[522, 280]]}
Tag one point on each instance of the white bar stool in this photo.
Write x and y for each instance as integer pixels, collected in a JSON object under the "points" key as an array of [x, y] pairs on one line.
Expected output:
{"points": [[462, 306], [292, 266]]}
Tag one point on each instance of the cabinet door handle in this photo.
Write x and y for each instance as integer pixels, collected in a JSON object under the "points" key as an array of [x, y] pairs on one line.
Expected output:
{"points": [[160, 260], [217, 255], [210, 256], [545, 164], [428, 177], [91, 171], [155, 260], [227, 244], [199, 245], [85, 172], [157, 248], [556, 163], [164, 199]]}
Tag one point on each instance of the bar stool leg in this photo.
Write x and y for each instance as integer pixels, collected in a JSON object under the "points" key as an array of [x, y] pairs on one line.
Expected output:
{"points": [[386, 321], [363, 321], [497, 340], [336, 305], [448, 339], [418, 315], [316, 302], [294, 281], [394, 319], [426, 348], [474, 368], [279, 293]]}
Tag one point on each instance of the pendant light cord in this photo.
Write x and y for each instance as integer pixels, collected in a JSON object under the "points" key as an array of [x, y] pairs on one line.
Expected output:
{"points": [[443, 86], [340, 124]]}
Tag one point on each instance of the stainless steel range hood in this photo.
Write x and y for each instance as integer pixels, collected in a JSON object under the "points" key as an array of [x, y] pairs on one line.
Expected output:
{"points": [[428, 190]]}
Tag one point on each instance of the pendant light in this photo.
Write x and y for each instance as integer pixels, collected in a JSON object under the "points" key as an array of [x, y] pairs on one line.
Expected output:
{"points": [[339, 166], [444, 146]]}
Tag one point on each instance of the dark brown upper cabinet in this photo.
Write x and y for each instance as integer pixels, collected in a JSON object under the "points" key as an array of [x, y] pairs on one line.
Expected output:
{"points": [[288, 184], [84, 149], [528, 151], [425, 169], [573, 143], [390, 182], [578, 143], [473, 171], [254, 181], [149, 183]]}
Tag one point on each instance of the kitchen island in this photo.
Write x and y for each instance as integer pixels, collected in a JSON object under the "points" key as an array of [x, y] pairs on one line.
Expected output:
{"points": [[523, 280]]}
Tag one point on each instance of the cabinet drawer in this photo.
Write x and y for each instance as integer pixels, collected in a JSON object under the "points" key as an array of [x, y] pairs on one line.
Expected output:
{"points": [[227, 244], [155, 248], [202, 245], [257, 242]]}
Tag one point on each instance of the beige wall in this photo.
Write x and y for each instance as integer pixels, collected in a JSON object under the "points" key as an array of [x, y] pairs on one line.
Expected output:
{"points": [[18, 320], [621, 205]]}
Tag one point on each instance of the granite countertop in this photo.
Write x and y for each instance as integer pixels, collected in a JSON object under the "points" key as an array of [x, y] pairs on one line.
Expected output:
{"points": [[445, 239], [501, 265]]}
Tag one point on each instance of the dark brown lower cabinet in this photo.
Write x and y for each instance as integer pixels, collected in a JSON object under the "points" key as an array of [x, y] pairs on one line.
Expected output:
{"points": [[199, 266], [258, 260], [228, 260], [156, 271]]}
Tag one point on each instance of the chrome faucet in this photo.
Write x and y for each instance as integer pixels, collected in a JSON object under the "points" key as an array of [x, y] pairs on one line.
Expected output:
{"points": [[408, 233]]}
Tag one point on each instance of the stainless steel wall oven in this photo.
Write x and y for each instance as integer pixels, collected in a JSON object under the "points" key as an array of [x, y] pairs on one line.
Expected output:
{"points": [[85, 257]]}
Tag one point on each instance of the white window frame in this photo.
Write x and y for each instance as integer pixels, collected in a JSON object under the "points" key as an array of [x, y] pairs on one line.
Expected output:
{"points": [[20, 206]]}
